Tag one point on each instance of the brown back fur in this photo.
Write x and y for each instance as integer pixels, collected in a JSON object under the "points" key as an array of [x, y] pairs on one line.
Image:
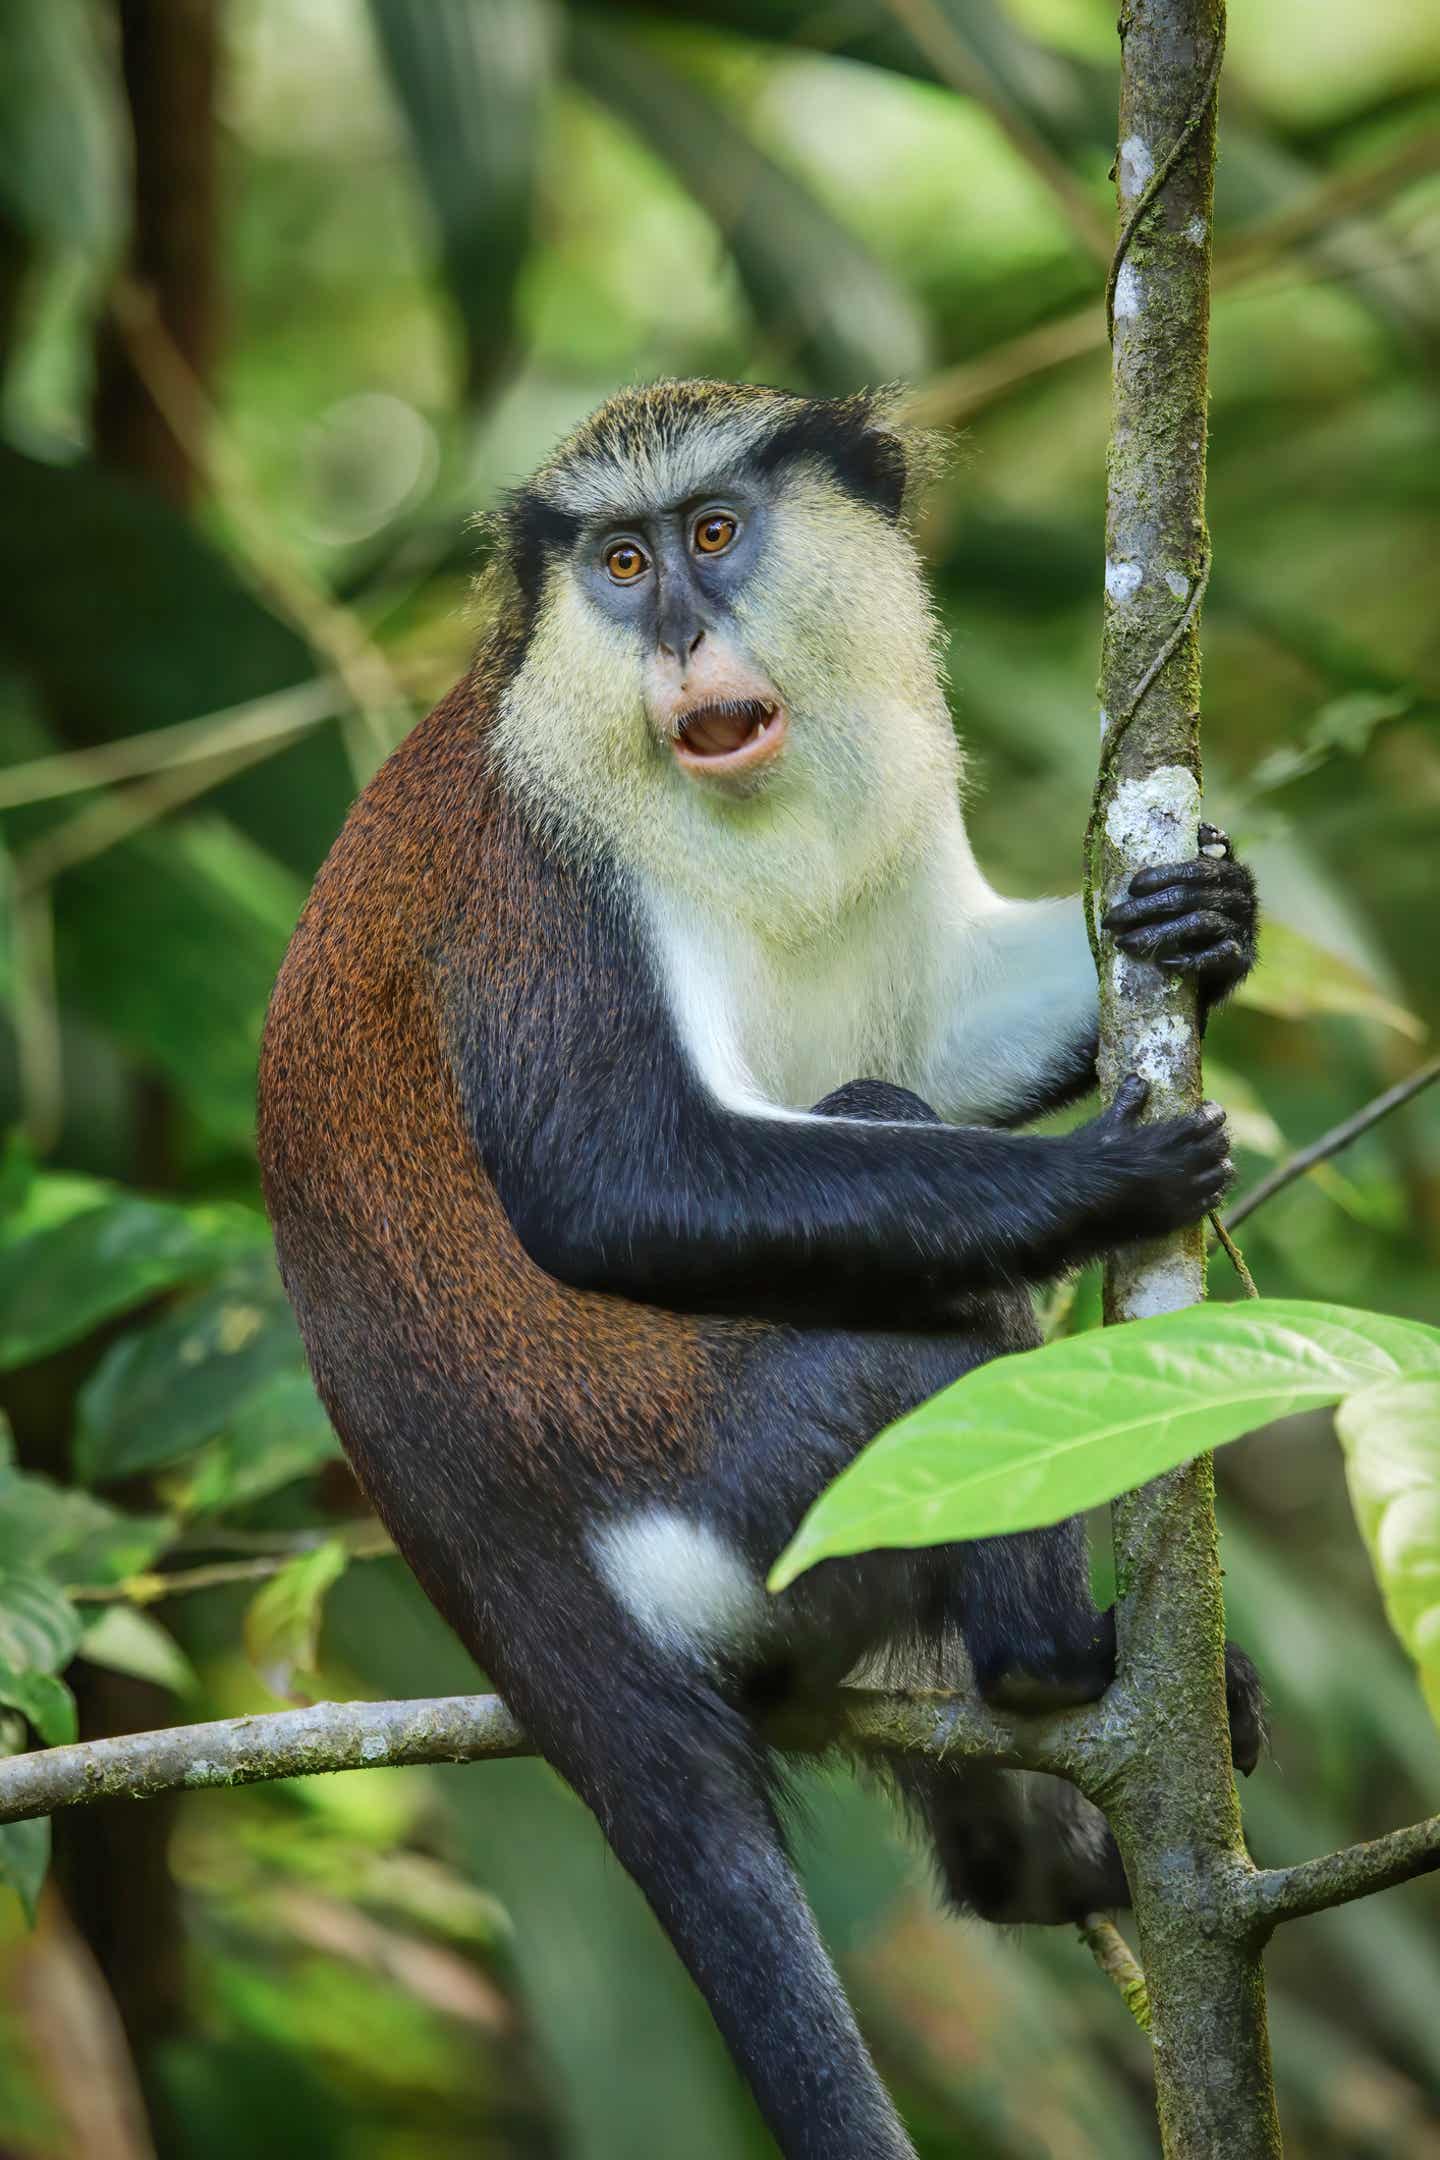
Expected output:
{"points": [[397, 1254]]}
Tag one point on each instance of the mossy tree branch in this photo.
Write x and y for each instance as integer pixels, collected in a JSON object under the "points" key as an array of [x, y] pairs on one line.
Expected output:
{"points": [[1172, 1802], [1092, 1746]]}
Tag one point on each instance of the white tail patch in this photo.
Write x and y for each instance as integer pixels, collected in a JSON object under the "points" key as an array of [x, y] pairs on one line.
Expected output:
{"points": [[684, 1584]]}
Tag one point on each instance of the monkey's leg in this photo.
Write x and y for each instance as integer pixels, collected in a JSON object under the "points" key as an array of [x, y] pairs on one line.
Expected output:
{"points": [[677, 1779], [1011, 1846], [1022, 1603], [1032, 1632], [1017, 1848]]}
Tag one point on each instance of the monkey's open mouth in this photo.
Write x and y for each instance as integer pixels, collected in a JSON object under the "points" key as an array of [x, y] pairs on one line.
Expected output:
{"points": [[729, 734]]}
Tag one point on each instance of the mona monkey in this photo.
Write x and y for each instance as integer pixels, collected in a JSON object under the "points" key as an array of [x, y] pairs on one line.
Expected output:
{"points": [[638, 1123]]}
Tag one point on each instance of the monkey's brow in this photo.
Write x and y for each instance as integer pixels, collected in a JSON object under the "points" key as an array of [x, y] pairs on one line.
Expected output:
{"points": [[719, 488]]}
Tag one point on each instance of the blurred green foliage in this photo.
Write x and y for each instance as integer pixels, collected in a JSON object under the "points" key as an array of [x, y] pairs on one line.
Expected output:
{"points": [[444, 229]]}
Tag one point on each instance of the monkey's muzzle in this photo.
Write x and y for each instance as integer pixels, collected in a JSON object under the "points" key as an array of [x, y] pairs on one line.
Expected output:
{"points": [[725, 736]]}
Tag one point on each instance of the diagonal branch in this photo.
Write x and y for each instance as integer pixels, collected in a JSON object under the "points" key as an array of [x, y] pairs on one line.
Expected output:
{"points": [[1331, 1143]]}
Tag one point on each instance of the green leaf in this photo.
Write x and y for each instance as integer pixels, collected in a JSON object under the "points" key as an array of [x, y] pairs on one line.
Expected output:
{"points": [[471, 77], [1296, 979], [61, 175], [138, 931], [71, 1536], [45, 1701], [126, 1641], [1391, 1437], [818, 292], [1030, 1439], [281, 1433], [179, 635], [25, 1860], [59, 1281], [282, 1625], [39, 1627], [160, 1394]]}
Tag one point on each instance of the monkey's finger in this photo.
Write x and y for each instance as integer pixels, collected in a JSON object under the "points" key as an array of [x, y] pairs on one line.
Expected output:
{"points": [[1210, 877], [1213, 842], [1176, 903], [1224, 958], [1176, 937], [1130, 1097]]}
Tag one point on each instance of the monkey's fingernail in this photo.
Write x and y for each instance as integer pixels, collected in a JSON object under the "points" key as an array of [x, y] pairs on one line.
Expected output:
{"points": [[1216, 850]]}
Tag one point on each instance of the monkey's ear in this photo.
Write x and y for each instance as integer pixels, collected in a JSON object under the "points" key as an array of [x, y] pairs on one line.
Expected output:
{"points": [[857, 440], [528, 529], [880, 470]]}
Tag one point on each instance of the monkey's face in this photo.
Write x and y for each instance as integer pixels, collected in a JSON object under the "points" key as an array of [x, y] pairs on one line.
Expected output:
{"points": [[731, 673], [671, 578]]}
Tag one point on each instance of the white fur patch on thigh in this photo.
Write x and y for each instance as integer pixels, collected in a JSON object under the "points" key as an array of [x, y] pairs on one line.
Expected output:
{"points": [[683, 1584]]}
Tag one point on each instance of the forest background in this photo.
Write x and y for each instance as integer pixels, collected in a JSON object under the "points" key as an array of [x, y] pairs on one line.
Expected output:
{"points": [[289, 290]]}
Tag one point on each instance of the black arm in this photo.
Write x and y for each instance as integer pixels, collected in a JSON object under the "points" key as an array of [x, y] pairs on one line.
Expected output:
{"points": [[620, 1171]]}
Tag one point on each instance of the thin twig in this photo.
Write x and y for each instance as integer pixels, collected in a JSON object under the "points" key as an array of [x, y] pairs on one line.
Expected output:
{"points": [[1119, 1963], [1331, 1143], [1234, 1255], [370, 1542], [1271, 1895], [958, 393], [274, 719], [121, 813], [1336, 201]]}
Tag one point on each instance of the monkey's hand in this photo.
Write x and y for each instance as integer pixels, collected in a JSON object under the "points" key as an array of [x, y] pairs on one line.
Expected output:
{"points": [[1192, 918], [1150, 1179]]}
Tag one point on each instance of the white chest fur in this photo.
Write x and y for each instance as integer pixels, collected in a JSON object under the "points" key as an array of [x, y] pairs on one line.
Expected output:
{"points": [[775, 1027], [934, 983]]}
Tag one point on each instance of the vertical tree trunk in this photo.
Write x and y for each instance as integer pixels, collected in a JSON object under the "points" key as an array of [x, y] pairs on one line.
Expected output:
{"points": [[169, 58], [1173, 1807], [116, 1867]]}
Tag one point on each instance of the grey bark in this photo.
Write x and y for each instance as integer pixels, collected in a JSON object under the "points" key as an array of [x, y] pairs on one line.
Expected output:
{"points": [[1172, 1802]]}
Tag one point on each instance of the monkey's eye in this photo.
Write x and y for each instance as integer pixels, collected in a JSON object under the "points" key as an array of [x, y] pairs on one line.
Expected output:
{"points": [[626, 562], [715, 531]]}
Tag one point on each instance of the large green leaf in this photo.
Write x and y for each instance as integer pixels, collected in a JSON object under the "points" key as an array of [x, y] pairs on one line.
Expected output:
{"points": [[160, 1394], [1391, 1435], [471, 77], [1030, 1439], [817, 291], [58, 1280]]}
